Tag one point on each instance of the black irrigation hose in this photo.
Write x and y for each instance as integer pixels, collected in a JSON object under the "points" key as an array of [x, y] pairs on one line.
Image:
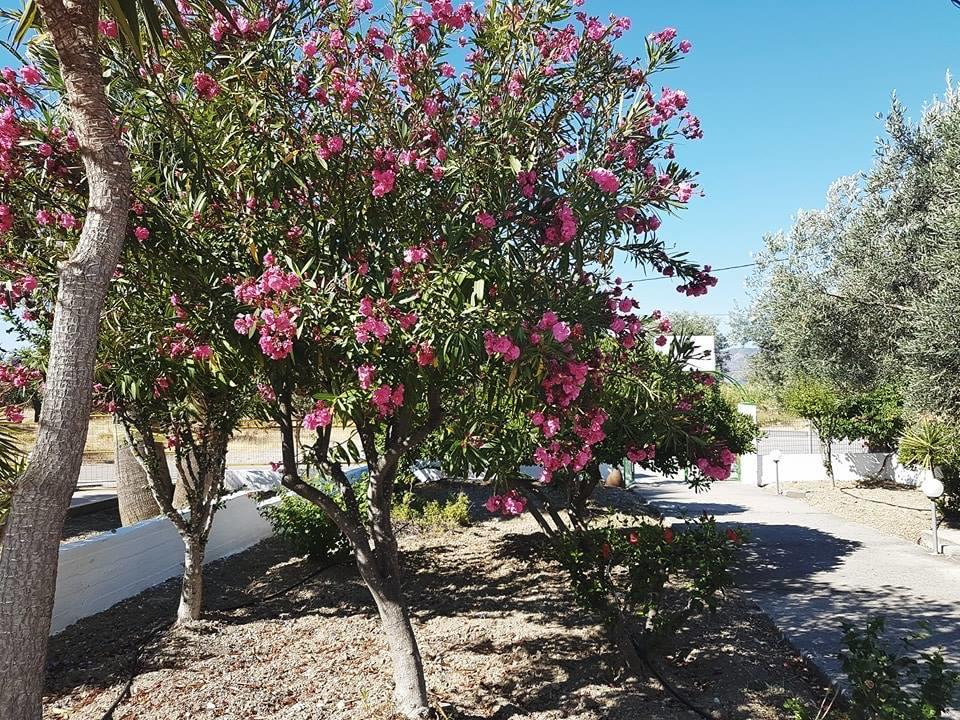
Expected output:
{"points": [[686, 702], [844, 491], [163, 627], [676, 693]]}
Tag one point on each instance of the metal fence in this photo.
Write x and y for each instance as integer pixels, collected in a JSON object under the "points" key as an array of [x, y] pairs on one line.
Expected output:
{"points": [[799, 437], [251, 447]]}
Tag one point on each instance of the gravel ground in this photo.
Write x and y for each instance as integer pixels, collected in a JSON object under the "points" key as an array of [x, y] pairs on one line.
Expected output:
{"points": [[498, 628], [897, 509]]}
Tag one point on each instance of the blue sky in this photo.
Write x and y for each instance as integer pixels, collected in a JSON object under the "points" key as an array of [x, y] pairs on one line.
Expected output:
{"points": [[788, 94]]}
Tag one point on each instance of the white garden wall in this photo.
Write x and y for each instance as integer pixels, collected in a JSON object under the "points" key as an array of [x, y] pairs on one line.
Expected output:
{"points": [[847, 467], [99, 572]]}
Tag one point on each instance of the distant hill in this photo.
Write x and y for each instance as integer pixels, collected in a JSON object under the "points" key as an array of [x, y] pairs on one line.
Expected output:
{"points": [[736, 362]]}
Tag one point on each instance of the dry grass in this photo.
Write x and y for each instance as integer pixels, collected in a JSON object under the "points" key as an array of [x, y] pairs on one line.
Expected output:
{"points": [[254, 443]]}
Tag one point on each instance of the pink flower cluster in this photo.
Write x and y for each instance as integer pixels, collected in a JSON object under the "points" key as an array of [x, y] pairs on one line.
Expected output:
{"points": [[527, 180], [500, 345], [510, 504], [182, 341], [605, 180], [486, 220], [670, 103], [550, 323], [372, 326], [10, 86], [328, 147], [6, 219], [384, 173], [108, 28], [699, 284], [20, 288], [276, 316], [717, 467], [13, 380], [18, 376], [320, 416], [387, 399], [206, 85], [663, 37], [587, 426], [563, 227], [424, 353], [564, 381], [624, 322], [639, 455], [240, 26], [10, 133], [366, 374], [415, 255]]}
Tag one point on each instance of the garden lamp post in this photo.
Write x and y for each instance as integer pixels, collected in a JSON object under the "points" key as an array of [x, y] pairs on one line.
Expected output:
{"points": [[776, 455], [932, 487]]}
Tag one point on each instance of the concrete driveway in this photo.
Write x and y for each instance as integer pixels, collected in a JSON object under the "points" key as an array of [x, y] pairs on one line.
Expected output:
{"points": [[811, 571]]}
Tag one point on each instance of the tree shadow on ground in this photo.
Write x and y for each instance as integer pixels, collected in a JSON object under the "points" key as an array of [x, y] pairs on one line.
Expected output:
{"points": [[99, 649]]}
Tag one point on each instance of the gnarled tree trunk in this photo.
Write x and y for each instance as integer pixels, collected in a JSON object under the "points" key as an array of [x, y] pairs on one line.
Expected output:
{"points": [[201, 470], [31, 543], [372, 538], [409, 684]]}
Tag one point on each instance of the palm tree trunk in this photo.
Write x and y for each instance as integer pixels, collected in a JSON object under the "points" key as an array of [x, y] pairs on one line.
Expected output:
{"points": [[134, 496], [28, 558]]}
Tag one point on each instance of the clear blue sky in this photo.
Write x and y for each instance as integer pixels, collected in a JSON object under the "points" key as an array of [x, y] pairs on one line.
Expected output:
{"points": [[788, 94]]}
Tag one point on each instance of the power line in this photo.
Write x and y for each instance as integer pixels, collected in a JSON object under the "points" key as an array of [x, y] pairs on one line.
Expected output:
{"points": [[713, 270]]}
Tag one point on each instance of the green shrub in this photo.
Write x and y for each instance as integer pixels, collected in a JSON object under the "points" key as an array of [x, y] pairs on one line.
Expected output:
{"points": [[433, 514], [650, 571], [306, 527], [894, 684]]}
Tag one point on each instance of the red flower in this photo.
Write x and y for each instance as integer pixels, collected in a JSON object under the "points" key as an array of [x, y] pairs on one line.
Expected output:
{"points": [[633, 538], [667, 535]]}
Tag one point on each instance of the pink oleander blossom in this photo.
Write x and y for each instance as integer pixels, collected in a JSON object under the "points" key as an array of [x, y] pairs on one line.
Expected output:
{"points": [[320, 416], [383, 181], [605, 180], [366, 373], [387, 399]]}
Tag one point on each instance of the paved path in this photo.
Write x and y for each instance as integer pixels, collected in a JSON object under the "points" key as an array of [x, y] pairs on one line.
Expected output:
{"points": [[810, 570]]}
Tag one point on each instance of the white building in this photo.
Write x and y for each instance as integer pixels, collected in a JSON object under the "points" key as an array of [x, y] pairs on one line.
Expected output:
{"points": [[704, 358]]}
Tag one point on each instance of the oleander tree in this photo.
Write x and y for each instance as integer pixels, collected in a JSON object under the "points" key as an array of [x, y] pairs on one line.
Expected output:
{"points": [[468, 177], [402, 205], [170, 366], [176, 379]]}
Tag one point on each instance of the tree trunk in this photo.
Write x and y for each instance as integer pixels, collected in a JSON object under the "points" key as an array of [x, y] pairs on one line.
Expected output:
{"points": [[31, 543], [409, 683], [191, 589], [134, 495]]}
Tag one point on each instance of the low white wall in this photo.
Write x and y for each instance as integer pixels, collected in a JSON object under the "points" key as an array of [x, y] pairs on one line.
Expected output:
{"points": [[847, 467], [99, 572]]}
